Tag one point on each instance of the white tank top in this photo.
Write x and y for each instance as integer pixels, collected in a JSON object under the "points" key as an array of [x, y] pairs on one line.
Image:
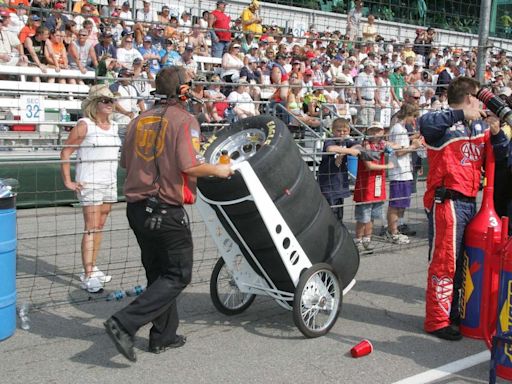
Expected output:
{"points": [[97, 156]]}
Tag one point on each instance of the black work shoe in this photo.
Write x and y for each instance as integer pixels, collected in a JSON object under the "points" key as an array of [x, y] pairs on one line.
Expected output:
{"points": [[447, 333], [405, 230], [178, 342], [455, 320], [121, 338]]}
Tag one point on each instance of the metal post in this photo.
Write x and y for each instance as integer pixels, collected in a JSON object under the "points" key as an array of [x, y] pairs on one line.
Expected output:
{"points": [[483, 38]]}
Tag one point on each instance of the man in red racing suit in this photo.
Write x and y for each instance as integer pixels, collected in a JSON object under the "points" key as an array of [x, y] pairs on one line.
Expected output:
{"points": [[455, 148]]}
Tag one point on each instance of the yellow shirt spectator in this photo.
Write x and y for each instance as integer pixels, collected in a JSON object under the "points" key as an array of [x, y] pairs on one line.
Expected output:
{"points": [[251, 21]]}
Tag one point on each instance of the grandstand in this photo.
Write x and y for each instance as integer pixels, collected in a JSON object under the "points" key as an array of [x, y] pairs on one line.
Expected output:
{"points": [[298, 48]]}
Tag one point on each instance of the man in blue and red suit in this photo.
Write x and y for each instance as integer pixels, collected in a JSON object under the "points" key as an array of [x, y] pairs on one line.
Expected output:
{"points": [[455, 148]]}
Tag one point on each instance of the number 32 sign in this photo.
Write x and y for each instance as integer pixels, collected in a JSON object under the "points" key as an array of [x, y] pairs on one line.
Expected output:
{"points": [[32, 108]]}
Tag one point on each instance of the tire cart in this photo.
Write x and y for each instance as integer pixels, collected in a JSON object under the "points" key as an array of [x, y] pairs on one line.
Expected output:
{"points": [[257, 229]]}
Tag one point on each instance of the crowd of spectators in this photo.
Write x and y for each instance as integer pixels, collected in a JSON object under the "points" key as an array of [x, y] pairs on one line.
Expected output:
{"points": [[357, 71]]}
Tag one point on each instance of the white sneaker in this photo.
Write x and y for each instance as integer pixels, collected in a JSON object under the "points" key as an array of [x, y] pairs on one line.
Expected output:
{"points": [[91, 284], [397, 238], [368, 246], [98, 274], [359, 246]]}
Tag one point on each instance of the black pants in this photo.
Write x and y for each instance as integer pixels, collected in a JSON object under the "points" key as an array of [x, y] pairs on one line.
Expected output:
{"points": [[338, 211], [167, 258]]}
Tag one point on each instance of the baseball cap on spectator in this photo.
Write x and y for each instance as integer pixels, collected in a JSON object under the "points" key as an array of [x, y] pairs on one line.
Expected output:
{"points": [[505, 91], [498, 74], [375, 126], [254, 46], [236, 46], [310, 55], [35, 18], [189, 47], [221, 2], [126, 32], [398, 64], [295, 61], [147, 39], [106, 34], [59, 6], [137, 61], [280, 56], [308, 72], [126, 4], [352, 58], [254, 59]]}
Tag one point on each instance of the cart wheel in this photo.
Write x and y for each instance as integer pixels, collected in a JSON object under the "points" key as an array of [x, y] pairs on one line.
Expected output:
{"points": [[317, 300], [226, 296]]}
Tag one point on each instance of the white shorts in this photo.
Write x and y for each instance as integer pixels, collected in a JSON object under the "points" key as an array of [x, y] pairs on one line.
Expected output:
{"points": [[97, 194]]}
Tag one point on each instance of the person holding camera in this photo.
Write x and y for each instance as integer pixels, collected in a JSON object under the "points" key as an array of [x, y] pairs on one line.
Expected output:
{"points": [[162, 160], [455, 139]]}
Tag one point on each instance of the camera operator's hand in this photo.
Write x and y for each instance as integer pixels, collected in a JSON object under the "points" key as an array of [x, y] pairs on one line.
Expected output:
{"points": [[472, 111], [494, 124]]}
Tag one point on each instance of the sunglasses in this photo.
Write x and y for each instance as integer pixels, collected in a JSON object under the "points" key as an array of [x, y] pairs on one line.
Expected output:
{"points": [[106, 100], [128, 41], [83, 35], [416, 97]]}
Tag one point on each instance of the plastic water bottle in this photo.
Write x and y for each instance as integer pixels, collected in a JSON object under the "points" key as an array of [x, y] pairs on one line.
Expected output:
{"points": [[64, 115], [116, 295], [135, 291], [23, 314], [224, 157], [5, 191]]}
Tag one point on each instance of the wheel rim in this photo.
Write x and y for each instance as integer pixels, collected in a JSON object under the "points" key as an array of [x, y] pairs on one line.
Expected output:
{"points": [[228, 292], [240, 146], [320, 300]]}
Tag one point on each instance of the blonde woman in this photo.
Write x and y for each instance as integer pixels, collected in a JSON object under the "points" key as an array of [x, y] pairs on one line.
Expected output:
{"points": [[96, 142]]}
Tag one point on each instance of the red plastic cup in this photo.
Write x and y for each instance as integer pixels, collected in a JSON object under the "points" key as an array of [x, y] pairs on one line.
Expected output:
{"points": [[362, 349]]}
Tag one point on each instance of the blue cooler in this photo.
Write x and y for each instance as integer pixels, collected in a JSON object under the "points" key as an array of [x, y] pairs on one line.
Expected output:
{"points": [[7, 266]]}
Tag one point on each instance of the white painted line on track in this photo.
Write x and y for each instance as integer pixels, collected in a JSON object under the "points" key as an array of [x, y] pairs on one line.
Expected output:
{"points": [[447, 370]]}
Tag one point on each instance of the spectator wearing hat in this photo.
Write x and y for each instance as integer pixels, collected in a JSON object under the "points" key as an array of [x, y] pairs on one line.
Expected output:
{"points": [[243, 103], [128, 103], [82, 53], [354, 20], [108, 9], [370, 188], [370, 29], [252, 74], [251, 20], [407, 51], [220, 24], [57, 20], [186, 60], [164, 15], [198, 40], [126, 15], [126, 52], [185, 23], [11, 49], [415, 76], [215, 100], [146, 15], [450, 72], [398, 85], [93, 31], [78, 5], [95, 138], [169, 55], [383, 97], [296, 106], [150, 54], [143, 81], [365, 92], [29, 30], [106, 47], [231, 64]]}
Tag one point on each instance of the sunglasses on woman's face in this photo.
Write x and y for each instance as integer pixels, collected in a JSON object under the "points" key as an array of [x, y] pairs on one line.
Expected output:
{"points": [[106, 100]]}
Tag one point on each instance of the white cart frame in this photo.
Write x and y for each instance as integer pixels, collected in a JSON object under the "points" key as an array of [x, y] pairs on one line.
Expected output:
{"points": [[293, 256]]}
